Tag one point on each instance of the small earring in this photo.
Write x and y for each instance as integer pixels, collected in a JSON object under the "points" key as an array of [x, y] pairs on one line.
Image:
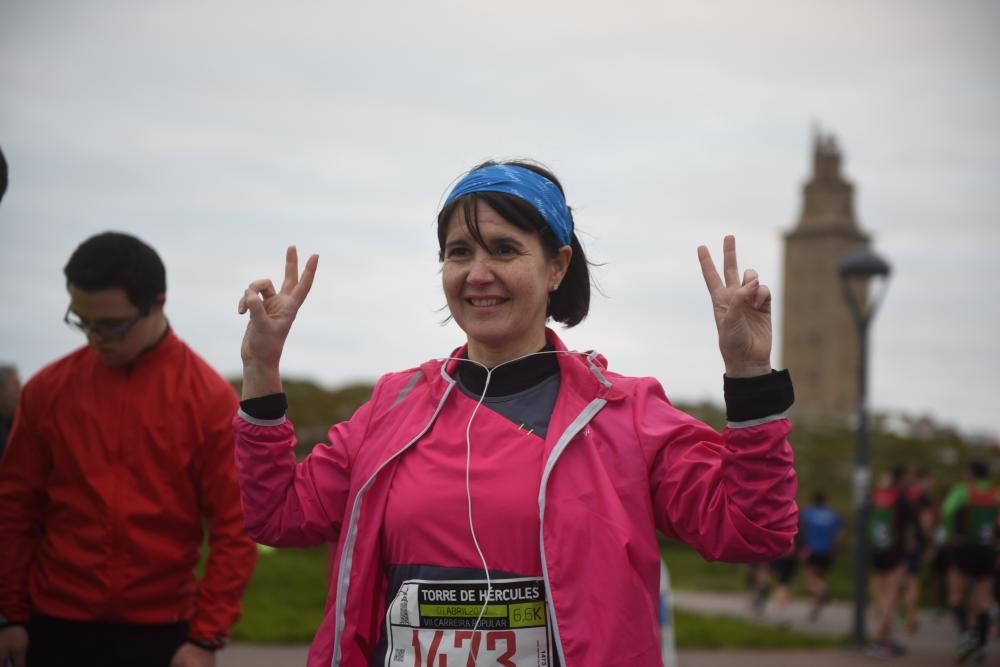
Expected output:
{"points": [[554, 287]]}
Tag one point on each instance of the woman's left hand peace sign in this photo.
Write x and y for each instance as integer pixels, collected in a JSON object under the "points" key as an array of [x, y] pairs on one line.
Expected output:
{"points": [[273, 311], [742, 313]]}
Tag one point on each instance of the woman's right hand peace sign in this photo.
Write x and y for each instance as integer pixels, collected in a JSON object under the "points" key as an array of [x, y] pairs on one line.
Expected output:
{"points": [[742, 313], [271, 316]]}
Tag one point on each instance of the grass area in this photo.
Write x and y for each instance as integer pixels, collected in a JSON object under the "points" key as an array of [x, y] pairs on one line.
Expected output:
{"points": [[284, 604], [689, 572], [694, 631]]}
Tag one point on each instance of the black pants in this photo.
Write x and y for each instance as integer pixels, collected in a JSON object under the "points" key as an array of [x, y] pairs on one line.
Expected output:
{"points": [[54, 642]]}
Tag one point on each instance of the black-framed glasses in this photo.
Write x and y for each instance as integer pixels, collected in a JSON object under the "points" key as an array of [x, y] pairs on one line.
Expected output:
{"points": [[110, 329]]}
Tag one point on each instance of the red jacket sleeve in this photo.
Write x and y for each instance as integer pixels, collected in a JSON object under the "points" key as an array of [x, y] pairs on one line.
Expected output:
{"points": [[23, 473], [232, 553], [731, 496]]}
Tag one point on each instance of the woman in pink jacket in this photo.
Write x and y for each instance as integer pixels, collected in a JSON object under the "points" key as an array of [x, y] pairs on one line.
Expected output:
{"points": [[499, 506]]}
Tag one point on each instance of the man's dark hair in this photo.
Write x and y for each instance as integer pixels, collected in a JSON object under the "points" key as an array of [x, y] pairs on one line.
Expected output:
{"points": [[571, 302], [979, 469], [115, 260], [819, 498]]}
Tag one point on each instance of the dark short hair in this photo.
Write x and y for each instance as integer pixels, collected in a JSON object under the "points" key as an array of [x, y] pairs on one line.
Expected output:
{"points": [[570, 303], [116, 260], [819, 498], [979, 469]]}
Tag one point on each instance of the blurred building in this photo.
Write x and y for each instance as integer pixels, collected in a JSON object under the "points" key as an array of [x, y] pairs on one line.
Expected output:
{"points": [[819, 340]]}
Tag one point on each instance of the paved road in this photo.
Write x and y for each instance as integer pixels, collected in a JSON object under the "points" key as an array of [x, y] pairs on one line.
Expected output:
{"points": [[259, 655], [933, 644], [931, 647], [936, 635], [250, 655]]}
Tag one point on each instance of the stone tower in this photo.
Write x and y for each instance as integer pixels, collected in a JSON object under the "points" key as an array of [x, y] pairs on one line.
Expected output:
{"points": [[819, 341]]}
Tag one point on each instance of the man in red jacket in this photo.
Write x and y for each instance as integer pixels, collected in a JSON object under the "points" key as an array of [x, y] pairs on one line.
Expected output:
{"points": [[119, 454]]}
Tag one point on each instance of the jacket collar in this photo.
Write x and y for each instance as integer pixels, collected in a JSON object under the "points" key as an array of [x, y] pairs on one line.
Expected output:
{"points": [[162, 349], [583, 373]]}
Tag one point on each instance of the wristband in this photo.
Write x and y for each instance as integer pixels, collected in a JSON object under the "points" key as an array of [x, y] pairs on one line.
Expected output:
{"points": [[272, 406], [212, 645], [758, 397]]}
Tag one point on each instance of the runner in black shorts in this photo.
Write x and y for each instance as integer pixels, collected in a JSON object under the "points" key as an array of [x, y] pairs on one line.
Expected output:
{"points": [[970, 513], [783, 569], [891, 519], [820, 527], [917, 542]]}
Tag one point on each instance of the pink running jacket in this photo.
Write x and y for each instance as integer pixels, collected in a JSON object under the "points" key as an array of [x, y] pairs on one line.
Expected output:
{"points": [[621, 462]]}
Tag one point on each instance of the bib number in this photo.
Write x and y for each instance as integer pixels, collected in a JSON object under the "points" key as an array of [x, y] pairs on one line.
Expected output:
{"points": [[464, 624]]}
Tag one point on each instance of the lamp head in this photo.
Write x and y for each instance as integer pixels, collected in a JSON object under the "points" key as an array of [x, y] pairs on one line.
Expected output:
{"points": [[862, 262]]}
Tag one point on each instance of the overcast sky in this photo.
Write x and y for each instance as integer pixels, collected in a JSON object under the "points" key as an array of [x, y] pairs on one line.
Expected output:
{"points": [[221, 132]]}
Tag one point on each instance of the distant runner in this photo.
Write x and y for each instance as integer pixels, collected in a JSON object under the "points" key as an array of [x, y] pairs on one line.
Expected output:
{"points": [[917, 543], [890, 520], [821, 527], [970, 516]]}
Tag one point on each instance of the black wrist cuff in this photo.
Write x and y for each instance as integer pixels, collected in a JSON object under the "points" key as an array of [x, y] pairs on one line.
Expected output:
{"points": [[757, 397], [272, 406], [212, 645]]}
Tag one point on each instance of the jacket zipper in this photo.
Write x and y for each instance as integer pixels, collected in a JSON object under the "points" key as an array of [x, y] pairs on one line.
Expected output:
{"points": [[347, 556], [575, 427]]}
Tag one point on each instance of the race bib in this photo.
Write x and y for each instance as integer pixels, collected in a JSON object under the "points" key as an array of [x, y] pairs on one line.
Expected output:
{"points": [[433, 624]]}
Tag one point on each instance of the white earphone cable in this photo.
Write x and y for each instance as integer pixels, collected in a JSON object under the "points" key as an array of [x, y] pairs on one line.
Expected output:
{"points": [[468, 468]]}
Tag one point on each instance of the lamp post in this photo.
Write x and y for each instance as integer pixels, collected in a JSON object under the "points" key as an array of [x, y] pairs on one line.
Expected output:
{"points": [[856, 269]]}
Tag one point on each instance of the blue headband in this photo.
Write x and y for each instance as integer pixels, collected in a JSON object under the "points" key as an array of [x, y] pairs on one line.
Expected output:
{"points": [[540, 192]]}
